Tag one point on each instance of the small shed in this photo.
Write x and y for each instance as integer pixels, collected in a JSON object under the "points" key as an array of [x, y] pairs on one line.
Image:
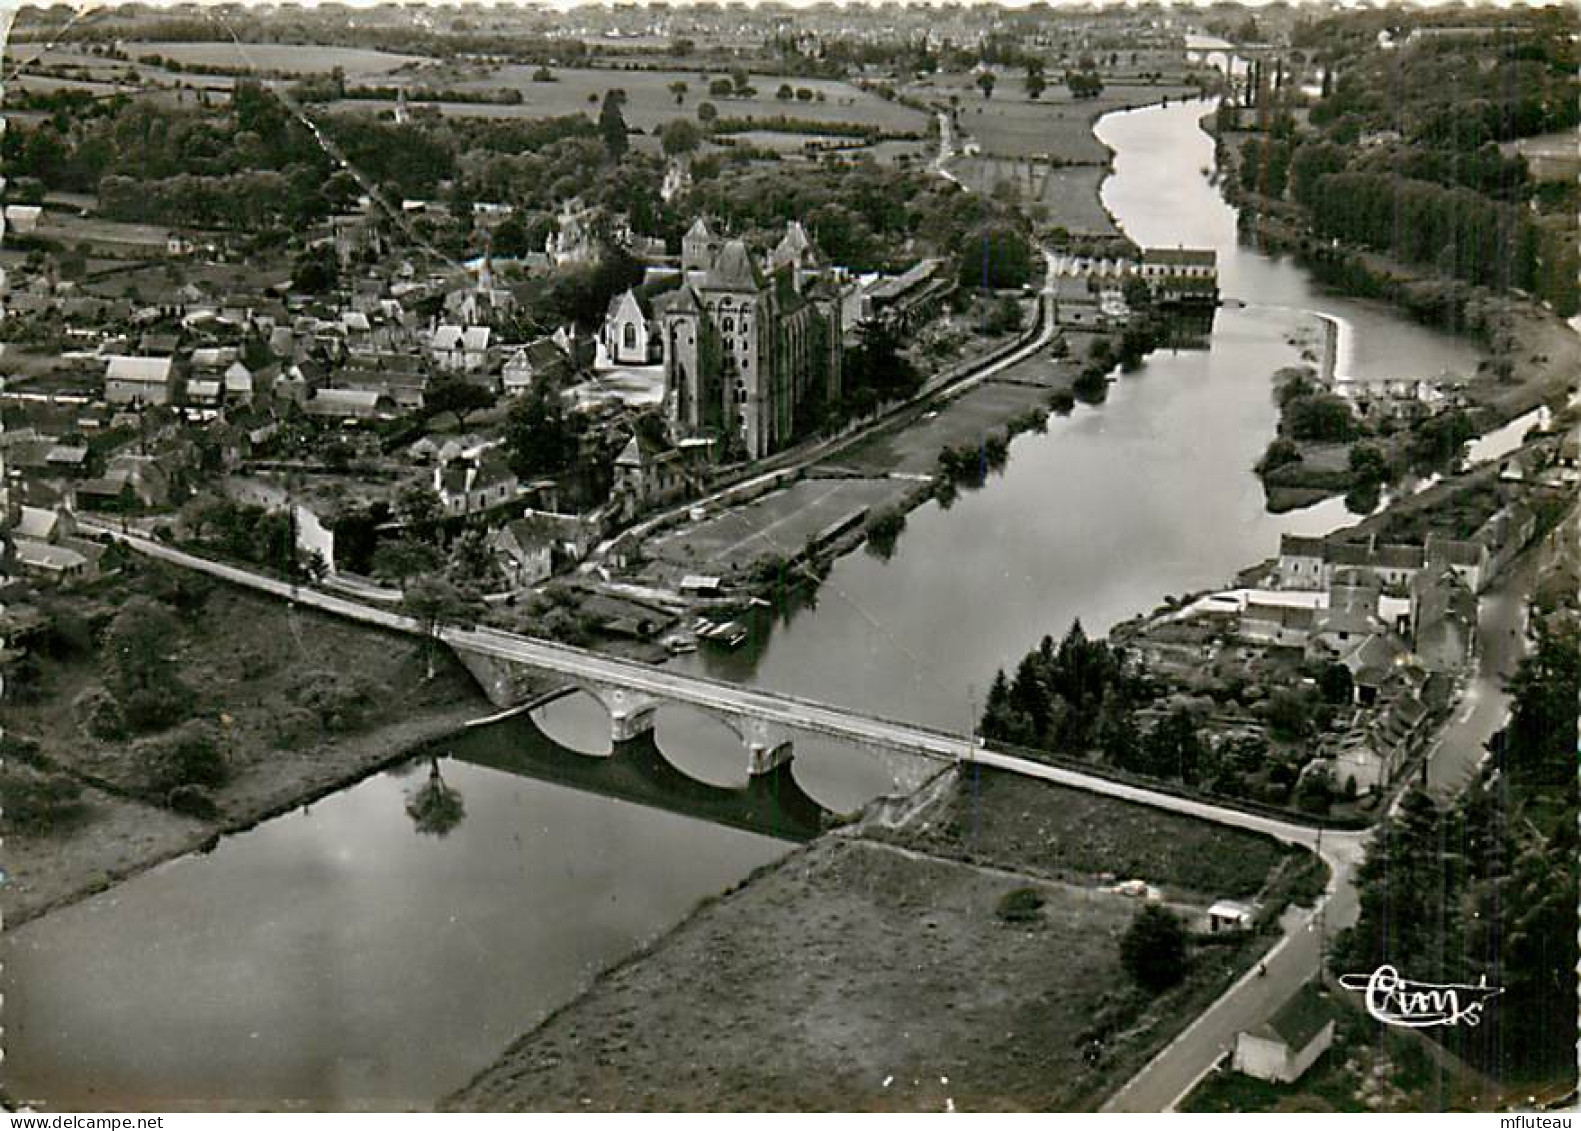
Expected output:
{"points": [[1288, 1043], [1230, 915]]}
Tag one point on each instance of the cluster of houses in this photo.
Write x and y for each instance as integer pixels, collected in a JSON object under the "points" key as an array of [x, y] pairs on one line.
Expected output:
{"points": [[1089, 292], [1400, 618]]}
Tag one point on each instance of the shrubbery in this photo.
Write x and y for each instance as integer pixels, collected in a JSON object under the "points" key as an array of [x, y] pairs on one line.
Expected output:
{"points": [[189, 755]]}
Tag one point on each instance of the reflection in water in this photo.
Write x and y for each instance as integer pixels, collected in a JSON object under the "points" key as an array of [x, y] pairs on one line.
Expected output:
{"points": [[434, 807], [334, 959]]}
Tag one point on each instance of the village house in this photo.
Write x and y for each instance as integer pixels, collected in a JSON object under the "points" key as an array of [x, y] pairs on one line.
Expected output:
{"points": [[1281, 1049], [459, 349], [140, 380], [475, 483], [351, 405], [1443, 621], [1181, 274], [540, 364], [525, 550], [1311, 563]]}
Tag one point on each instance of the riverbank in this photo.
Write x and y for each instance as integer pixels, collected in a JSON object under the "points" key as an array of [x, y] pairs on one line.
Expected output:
{"points": [[251, 664], [869, 971]]}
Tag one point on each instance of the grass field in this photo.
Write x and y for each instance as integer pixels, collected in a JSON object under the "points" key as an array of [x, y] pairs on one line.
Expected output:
{"points": [[1011, 125], [1067, 834], [1068, 193], [289, 57], [857, 977]]}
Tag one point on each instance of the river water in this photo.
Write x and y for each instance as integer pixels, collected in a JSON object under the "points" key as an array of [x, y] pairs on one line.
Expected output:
{"points": [[338, 957]]}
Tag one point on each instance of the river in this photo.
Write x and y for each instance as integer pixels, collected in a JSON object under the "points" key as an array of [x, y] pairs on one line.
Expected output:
{"points": [[337, 957]]}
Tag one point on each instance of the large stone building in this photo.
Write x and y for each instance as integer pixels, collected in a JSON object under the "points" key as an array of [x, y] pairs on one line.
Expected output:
{"points": [[748, 351]]}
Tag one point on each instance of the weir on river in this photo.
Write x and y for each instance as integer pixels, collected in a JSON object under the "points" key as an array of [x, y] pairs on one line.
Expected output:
{"points": [[341, 957]]}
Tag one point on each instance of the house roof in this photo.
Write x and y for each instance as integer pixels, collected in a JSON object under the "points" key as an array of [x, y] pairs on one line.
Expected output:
{"points": [[42, 555], [145, 370], [1455, 553], [1300, 1019], [343, 402], [1180, 256], [1300, 546], [36, 522]]}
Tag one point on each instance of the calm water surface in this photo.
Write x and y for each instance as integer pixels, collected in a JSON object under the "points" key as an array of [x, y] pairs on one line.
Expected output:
{"points": [[338, 958]]}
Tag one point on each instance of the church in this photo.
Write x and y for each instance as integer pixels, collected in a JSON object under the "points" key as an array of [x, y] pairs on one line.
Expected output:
{"points": [[749, 348]]}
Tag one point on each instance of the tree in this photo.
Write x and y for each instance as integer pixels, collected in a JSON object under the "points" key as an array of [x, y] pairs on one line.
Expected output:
{"points": [[417, 505], [1153, 949], [456, 395], [435, 807], [785, 93], [986, 80], [994, 256], [538, 437], [612, 124], [138, 644], [317, 270], [190, 755], [1336, 684], [396, 561], [1036, 83], [707, 113], [680, 136], [434, 602], [679, 89]]}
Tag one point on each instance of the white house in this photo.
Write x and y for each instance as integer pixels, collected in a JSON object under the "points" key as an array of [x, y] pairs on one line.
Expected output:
{"points": [[1282, 1048], [140, 380], [460, 349]]}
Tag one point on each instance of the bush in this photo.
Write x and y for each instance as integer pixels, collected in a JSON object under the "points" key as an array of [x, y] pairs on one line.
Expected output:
{"points": [[192, 801], [36, 802], [1279, 453], [340, 701], [1020, 905], [294, 726], [1153, 949], [155, 708], [98, 713], [188, 755]]}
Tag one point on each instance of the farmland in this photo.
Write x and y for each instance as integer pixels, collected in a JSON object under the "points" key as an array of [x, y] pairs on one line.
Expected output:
{"points": [[286, 57]]}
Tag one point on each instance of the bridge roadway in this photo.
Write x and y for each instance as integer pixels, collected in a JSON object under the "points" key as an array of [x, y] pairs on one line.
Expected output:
{"points": [[1165, 1080]]}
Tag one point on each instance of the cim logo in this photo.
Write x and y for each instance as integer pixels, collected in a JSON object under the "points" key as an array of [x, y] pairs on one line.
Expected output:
{"points": [[1420, 1005]]}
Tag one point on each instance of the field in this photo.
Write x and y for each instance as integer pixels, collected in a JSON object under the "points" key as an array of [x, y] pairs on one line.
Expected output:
{"points": [[855, 976], [287, 57], [1066, 834], [1011, 125], [649, 102], [966, 419], [778, 524], [1068, 193]]}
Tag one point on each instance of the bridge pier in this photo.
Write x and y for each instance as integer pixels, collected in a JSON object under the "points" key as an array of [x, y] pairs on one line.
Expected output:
{"points": [[768, 747], [631, 713]]}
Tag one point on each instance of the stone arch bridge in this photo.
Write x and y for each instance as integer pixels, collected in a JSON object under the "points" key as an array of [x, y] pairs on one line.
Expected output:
{"points": [[509, 668]]}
